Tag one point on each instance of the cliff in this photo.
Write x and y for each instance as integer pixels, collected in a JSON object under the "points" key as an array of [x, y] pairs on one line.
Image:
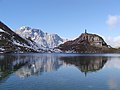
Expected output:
{"points": [[87, 43]]}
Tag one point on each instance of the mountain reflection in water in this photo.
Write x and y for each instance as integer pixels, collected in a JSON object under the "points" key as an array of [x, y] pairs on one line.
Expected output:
{"points": [[86, 64], [59, 71], [36, 64], [10, 64], [27, 65]]}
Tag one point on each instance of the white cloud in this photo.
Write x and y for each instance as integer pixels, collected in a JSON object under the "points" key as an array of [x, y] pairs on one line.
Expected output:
{"points": [[112, 21], [113, 41]]}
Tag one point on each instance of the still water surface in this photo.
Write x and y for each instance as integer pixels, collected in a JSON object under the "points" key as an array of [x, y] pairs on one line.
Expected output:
{"points": [[60, 72]]}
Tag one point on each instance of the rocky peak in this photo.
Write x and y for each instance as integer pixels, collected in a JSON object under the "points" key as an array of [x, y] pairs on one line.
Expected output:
{"points": [[43, 40], [25, 28], [85, 43], [27, 32], [91, 39]]}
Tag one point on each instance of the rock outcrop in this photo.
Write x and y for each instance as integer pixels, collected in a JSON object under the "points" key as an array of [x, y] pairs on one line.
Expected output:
{"points": [[86, 43]]}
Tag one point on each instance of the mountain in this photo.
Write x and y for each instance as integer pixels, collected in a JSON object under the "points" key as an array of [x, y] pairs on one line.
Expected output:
{"points": [[87, 43], [27, 39], [42, 39], [12, 42]]}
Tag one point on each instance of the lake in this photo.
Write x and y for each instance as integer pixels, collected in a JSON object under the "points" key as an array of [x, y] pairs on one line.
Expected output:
{"points": [[60, 72]]}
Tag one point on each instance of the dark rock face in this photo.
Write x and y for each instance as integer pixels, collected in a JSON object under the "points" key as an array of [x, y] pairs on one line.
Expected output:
{"points": [[11, 33], [90, 39], [87, 43]]}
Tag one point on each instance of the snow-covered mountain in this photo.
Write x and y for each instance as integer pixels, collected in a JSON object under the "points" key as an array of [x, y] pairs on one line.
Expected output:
{"points": [[43, 40], [35, 40]]}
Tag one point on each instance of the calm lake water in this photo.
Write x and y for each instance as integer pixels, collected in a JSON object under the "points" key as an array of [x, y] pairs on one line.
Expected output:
{"points": [[60, 72]]}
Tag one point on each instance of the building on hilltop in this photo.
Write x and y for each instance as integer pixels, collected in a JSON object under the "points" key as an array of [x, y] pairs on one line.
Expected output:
{"points": [[93, 39]]}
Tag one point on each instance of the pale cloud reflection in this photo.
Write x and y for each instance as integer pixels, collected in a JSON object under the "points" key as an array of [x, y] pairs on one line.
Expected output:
{"points": [[113, 85]]}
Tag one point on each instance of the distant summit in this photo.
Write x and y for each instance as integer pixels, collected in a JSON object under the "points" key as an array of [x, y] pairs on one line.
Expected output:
{"points": [[86, 43], [42, 39]]}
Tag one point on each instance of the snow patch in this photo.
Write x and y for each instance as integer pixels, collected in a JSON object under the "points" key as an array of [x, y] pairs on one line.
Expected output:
{"points": [[2, 49]]}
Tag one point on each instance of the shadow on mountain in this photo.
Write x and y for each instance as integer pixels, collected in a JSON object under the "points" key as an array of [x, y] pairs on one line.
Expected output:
{"points": [[86, 64]]}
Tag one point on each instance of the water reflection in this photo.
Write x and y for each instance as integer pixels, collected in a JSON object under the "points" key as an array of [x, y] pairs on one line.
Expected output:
{"points": [[39, 65], [27, 65], [9, 64], [12, 67], [86, 64]]}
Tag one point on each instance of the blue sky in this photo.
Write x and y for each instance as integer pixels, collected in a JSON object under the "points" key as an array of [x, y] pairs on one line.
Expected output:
{"points": [[67, 18]]}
